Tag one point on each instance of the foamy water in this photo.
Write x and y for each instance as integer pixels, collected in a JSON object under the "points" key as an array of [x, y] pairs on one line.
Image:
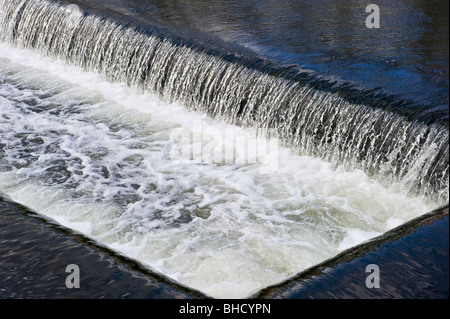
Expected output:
{"points": [[206, 203]]}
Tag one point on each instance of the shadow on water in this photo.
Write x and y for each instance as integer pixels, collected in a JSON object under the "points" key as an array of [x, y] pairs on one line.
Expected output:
{"points": [[35, 251]]}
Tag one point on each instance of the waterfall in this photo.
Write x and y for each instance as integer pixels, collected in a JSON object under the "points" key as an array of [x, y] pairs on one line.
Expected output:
{"points": [[310, 115]]}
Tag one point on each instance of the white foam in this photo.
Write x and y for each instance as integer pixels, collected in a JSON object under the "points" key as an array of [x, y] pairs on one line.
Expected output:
{"points": [[100, 158], [356, 236]]}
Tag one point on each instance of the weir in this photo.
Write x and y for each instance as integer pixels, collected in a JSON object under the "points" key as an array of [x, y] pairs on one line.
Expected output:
{"points": [[90, 149], [385, 137]]}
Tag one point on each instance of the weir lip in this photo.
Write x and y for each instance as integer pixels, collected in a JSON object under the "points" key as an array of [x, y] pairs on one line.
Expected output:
{"points": [[343, 276], [113, 275], [35, 251]]}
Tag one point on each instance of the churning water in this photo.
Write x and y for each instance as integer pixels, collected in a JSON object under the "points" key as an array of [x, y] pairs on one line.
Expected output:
{"points": [[150, 147]]}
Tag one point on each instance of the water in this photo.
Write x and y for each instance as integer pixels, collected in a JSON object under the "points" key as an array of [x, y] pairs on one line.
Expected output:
{"points": [[35, 252], [139, 149], [408, 269], [326, 36], [317, 117]]}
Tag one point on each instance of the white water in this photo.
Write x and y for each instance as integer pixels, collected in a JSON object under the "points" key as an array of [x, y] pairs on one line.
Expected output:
{"points": [[99, 158], [373, 137]]}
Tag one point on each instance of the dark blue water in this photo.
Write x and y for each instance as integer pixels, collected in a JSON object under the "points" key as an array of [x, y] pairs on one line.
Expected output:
{"points": [[413, 263], [35, 251], [407, 56]]}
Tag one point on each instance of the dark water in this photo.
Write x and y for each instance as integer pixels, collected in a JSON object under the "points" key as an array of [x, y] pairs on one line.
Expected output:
{"points": [[406, 56], [35, 251], [412, 259]]}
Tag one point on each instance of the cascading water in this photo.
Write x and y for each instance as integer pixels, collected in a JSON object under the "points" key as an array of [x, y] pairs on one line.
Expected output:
{"points": [[98, 156], [316, 122]]}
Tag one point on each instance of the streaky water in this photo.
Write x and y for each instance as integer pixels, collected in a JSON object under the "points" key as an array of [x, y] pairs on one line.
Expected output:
{"points": [[407, 55], [306, 116], [104, 158]]}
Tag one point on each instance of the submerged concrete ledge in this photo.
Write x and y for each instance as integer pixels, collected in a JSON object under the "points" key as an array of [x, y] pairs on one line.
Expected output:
{"points": [[413, 262], [34, 254]]}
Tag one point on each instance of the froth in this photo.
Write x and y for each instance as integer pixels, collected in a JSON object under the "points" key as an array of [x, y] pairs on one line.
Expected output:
{"points": [[99, 158]]}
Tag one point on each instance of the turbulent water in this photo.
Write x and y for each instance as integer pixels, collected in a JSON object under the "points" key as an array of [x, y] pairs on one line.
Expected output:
{"points": [[130, 138]]}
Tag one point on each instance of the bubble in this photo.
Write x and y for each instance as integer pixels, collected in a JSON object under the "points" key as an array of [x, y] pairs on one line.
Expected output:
{"points": [[74, 15]]}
